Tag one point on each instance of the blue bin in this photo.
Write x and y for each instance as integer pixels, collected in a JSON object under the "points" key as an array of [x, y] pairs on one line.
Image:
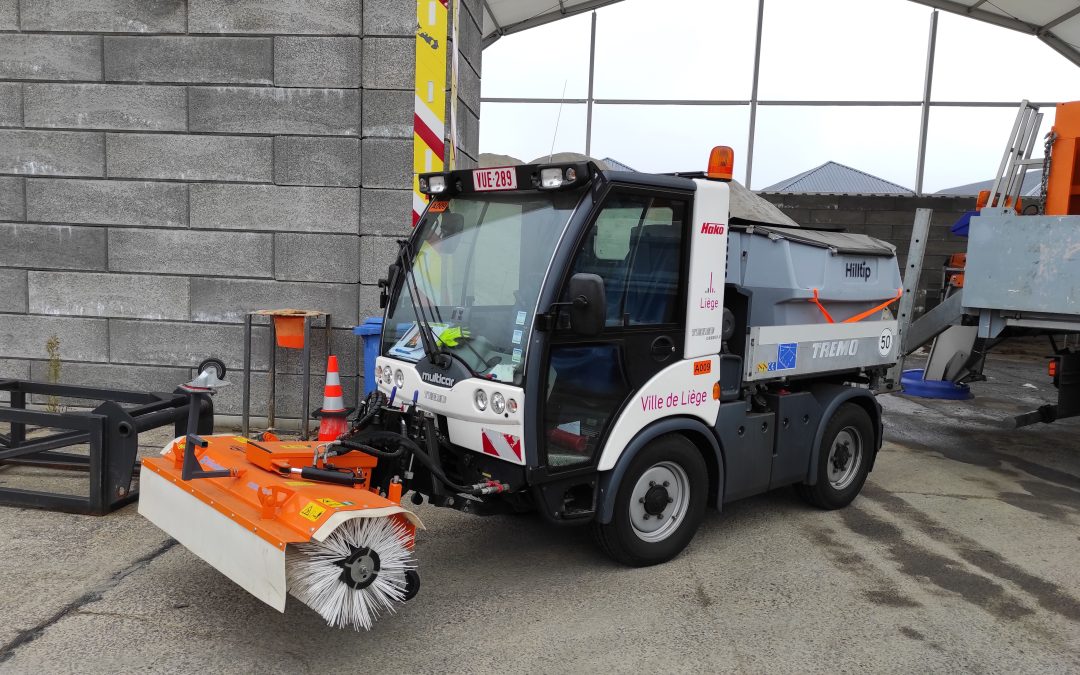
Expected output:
{"points": [[370, 331]]}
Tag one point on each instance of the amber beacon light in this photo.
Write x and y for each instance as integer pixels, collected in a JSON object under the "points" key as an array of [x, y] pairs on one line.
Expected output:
{"points": [[721, 163]]}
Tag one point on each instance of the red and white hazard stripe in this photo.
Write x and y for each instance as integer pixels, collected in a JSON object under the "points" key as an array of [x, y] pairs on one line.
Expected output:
{"points": [[429, 129], [503, 446]]}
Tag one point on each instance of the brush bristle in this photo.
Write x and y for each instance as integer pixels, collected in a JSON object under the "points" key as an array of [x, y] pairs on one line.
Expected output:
{"points": [[314, 576]]}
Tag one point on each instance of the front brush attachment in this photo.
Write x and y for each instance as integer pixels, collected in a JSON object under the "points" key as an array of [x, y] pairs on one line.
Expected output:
{"points": [[363, 569], [276, 520]]}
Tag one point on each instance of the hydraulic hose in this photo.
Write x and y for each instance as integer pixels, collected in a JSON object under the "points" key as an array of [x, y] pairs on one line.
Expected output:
{"points": [[407, 444]]}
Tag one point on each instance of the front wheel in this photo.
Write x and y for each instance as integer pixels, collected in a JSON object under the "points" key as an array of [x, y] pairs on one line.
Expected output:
{"points": [[847, 447], [659, 504]]}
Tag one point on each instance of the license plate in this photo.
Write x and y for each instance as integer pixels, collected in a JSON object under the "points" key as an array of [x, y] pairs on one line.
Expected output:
{"points": [[485, 180]]}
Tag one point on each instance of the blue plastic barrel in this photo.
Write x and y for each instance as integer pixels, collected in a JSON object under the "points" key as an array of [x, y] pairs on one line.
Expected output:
{"points": [[370, 331], [913, 384]]}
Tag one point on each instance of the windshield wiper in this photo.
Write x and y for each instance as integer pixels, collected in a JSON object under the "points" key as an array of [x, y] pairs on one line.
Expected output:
{"points": [[431, 346]]}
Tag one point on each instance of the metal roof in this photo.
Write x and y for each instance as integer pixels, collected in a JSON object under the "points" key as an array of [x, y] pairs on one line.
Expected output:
{"points": [[1031, 187], [502, 17], [836, 178], [1055, 22]]}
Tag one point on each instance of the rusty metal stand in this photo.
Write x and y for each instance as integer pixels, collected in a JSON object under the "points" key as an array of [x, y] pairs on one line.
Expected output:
{"points": [[305, 359]]}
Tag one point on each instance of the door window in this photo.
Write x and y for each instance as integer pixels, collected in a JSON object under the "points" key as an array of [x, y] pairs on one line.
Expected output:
{"points": [[635, 246]]}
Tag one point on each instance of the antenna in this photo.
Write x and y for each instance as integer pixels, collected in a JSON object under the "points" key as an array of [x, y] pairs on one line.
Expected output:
{"points": [[557, 118]]}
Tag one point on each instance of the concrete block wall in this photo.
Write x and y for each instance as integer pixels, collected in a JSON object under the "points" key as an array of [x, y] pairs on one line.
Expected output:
{"points": [[167, 166], [890, 218]]}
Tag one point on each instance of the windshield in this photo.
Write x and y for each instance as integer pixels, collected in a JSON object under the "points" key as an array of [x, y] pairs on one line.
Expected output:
{"points": [[479, 263]]}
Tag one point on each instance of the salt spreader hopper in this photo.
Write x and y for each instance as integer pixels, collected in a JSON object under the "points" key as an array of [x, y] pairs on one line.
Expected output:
{"points": [[609, 349]]}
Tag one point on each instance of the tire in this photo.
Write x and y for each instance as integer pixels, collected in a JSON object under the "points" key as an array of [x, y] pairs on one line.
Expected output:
{"points": [[217, 364], [847, 448], [637, 536]]}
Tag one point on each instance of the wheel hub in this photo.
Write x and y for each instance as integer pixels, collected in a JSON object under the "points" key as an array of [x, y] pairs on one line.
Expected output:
{"points": [[842, 456], [360, 567], [656, 500]]}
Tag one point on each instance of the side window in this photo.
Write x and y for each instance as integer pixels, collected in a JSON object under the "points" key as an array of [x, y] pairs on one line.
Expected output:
{"points": [[635, 246]]}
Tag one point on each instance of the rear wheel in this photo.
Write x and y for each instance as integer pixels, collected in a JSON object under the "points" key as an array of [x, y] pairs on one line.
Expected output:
{"points": [[843, 460], [659, 504]]}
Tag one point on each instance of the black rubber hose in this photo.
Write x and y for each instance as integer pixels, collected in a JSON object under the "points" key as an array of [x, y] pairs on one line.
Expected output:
{"points": [[403, 444]]}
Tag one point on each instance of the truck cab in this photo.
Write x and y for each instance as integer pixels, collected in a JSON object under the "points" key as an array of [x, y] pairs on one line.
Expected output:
{"points": [[610, 348]]}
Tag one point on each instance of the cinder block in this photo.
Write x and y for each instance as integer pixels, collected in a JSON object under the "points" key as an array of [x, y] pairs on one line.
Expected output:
{"points": [[203, 59], [385, 211], [269, 110], [12, 292], [388, 163], [317, 160], [388, 113], [317, 61], [464, 161], [470, 37], [50, 57], [111, 376], [110, 202], [879, 231], [230, 254], [58, 247], [9, 14], [226, 300], [469, 88], [376, 254], [311, 17], [369, 301], [12, 200], [106, 106], [333, 258], [835, 217], [140, 296], [468, 131], [343, 343], [80, 339], [269, 207], [890, 217], [104, 16], [185, 344], [10, 104], [288, 399], [389, 63], [186, 157], [389, 19], [866, 202], [52, 153]]}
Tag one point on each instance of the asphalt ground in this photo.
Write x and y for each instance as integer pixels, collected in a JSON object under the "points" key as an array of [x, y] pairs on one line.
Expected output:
{"points": [[961, 554]]}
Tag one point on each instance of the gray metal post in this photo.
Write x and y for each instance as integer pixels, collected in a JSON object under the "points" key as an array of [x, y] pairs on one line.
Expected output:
{"points": [[754, 95], [928, 83], [246, 405], [272, 398], [305, 386], [912, 273], [588, 109]]}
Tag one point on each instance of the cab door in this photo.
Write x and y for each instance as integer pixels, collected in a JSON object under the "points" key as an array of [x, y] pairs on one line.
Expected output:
{"points": [[637, 243]]}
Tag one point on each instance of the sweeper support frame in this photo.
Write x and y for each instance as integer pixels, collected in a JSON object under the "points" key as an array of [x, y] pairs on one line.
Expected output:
{"points": [[110, 430]]}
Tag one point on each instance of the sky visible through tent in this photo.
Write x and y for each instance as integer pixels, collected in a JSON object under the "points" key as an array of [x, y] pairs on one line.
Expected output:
{"points": [[823, 50]]}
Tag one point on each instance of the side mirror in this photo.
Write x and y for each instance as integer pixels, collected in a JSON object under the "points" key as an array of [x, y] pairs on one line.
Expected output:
{"points": [[588, 304]]}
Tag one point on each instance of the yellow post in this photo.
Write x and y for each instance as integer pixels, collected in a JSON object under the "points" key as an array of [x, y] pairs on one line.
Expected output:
{"points": [[429, 118]]}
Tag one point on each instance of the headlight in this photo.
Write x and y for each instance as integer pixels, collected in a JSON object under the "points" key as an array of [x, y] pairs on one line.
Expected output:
{"points": [[423, 185], [386, 375], [511, 405], [437, 184], [571, 175], [551, 178], [399, 379], [498, 403], [480, 399]]}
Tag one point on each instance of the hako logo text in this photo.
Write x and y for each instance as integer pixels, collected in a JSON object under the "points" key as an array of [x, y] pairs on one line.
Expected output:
{"points": [[437, 379], [712, 228]]}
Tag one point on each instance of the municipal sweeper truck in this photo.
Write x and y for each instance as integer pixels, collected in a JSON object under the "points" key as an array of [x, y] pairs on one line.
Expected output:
{"points": [[609, 349]]}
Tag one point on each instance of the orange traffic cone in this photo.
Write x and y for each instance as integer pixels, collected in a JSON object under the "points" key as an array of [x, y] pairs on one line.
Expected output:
{"points": [[332, 415]]}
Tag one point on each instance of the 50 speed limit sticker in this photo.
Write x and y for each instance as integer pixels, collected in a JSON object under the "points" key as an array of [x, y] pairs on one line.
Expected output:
{"points": [[885, 342]]}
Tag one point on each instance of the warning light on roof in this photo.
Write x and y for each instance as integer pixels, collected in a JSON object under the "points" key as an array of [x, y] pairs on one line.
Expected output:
{"points": [[721, 163]]}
